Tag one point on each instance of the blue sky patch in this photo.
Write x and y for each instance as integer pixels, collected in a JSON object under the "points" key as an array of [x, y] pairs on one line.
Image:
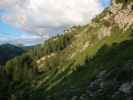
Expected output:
{"points": [[105, 3]]}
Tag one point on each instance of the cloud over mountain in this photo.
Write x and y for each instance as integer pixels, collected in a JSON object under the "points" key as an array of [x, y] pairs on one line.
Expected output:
{"points": [[48, 16]]}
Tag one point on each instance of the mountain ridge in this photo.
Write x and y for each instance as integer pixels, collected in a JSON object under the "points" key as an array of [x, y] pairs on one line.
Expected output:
{"points": [[9, 51]]}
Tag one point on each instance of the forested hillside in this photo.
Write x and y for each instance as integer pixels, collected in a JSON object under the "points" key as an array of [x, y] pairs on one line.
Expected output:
{"points": [[8, 51]]}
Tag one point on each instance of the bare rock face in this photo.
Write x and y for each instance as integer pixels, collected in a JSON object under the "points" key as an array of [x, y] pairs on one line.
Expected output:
{"points": [[103, 32], [116, 6], [126, 88], [116, 15], [124, 18], [120, 15]]}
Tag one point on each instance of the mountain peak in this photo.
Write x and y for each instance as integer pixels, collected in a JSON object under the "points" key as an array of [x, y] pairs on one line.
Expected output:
{"points": [[9, 51], [124, 3], [120, 13]]}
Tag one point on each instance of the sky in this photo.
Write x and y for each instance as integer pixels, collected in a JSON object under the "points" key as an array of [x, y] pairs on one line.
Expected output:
{"points": [[10, 34], [30, 22]]}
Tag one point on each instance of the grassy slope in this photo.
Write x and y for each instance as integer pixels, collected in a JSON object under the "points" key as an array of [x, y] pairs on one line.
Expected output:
{"points": [[76, 73]]}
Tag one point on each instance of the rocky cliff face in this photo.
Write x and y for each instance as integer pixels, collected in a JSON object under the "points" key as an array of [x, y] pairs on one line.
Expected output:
{"points": [[123, 16], [118, 15]]}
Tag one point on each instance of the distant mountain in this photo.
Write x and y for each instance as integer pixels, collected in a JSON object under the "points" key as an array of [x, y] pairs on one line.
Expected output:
{"points": [[8, 51]]}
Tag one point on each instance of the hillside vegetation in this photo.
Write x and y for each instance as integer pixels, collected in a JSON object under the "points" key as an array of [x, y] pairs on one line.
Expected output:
{"points": [[8, 51]]}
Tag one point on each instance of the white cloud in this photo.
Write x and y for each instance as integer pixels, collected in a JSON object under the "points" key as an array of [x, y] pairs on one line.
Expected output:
{"points": [[23, 39], [46, 16]]}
